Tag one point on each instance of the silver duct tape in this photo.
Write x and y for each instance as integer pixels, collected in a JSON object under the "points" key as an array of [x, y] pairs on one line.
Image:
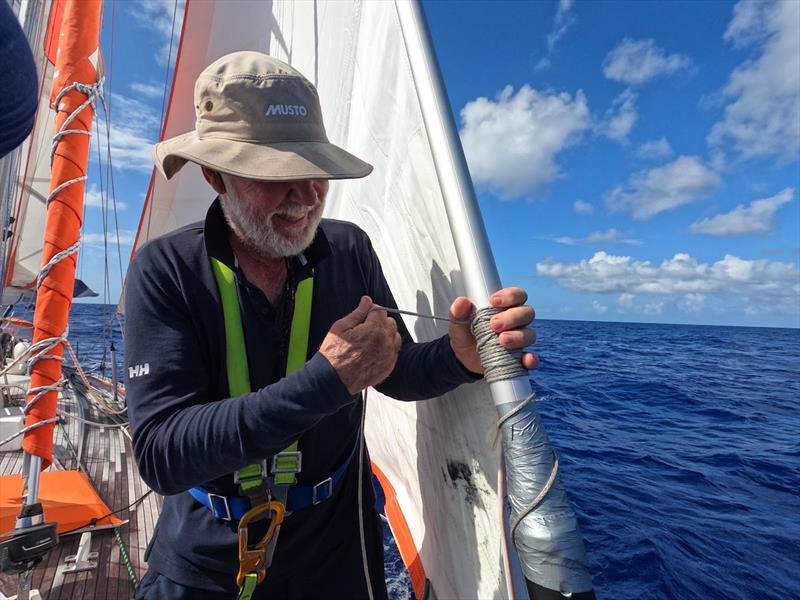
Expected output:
{"points": [[548, 540]]}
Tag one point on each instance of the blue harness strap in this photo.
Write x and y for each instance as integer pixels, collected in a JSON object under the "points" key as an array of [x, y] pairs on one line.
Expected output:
{"points": [[231, 508]]}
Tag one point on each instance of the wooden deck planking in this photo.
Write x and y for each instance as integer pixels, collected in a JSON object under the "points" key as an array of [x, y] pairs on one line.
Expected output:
{"points": [[107, 456]]}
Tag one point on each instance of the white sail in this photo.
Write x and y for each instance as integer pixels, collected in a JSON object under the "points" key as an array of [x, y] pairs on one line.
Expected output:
{"points": [[435, 454], [28, 181]]}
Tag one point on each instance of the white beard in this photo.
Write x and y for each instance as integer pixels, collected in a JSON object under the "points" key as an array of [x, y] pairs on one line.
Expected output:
{"points": [[255, 229]]}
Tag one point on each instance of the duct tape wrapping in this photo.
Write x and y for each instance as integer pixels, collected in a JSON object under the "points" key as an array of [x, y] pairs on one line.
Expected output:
{"points": [[547, 538]]}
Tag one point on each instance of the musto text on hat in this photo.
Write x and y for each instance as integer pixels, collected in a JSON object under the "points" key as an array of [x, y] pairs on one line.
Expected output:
{"points": [[258, 118]]}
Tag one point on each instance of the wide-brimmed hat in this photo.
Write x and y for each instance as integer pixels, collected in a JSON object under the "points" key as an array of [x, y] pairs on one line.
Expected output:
{"points": [[259, 118]]}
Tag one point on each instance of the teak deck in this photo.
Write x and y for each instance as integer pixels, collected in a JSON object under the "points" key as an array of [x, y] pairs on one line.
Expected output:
{"points": [[107, 455]]}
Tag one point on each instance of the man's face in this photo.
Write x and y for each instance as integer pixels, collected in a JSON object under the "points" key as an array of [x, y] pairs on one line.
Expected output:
{"points": [[274, 219]]}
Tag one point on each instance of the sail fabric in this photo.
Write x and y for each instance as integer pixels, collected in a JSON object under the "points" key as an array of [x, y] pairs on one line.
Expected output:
{"points": [[67, 498], [27, 179], [76, 62], [434, 454]]}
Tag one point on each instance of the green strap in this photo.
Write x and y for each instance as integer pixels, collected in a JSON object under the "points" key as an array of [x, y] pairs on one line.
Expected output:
{"points": [[249, 586], [236, 352]]}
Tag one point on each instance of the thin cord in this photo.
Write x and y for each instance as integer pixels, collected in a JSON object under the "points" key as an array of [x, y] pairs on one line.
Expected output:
{"points": [[364, 559]]}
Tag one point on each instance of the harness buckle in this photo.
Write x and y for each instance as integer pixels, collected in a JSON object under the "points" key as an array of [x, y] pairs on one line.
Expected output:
{"points": [[252, 478], [287, 462], [316, 496], [216, 500]]}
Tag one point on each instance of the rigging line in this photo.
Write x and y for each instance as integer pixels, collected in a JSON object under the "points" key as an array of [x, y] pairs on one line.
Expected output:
{"points": [[164, 98], [109, 162]]}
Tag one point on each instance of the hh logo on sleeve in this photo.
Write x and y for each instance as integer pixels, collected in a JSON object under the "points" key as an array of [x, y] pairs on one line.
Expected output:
{"points": [[138, 370]]}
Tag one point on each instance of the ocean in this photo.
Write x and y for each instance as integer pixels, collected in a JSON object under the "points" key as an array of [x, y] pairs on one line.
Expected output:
{"points": [[679, 447]]}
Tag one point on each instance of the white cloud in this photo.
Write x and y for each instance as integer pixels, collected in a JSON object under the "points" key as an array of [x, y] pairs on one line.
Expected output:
{"points": [[148, 90], [763, 116], [655, 149], [757, 281], [92, 197], [134, 129], [620, 118], [598, 307], [98, 239], [647, 193], [692, 303], [626, 300], [157, 16], [511, 143], [653, 308], [596, 238], [562, 21], [583, 208], [636, 61], [757, 218]]}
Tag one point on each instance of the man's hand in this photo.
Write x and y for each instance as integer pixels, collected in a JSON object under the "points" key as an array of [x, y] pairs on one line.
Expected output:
{"points": [[362, 347], [511, 325]]}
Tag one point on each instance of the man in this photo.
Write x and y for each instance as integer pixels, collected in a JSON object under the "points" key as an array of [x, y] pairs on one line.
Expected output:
{"points": [[261, 144]]}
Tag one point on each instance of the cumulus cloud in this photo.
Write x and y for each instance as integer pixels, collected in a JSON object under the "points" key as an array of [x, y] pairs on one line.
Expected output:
{"points": [[758, 217], [512, 142], [164, 17], [758, 281], [148, 90], [92, 197], [620, 118], [562, 21], [583, 208], [99, 239], [598, 307], [655, 149], [596, 238], [647, 193], [763, 114], [134, 129], [637, 61]]}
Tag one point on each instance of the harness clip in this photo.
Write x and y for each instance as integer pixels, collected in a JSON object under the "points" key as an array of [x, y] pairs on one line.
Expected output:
{"points": [[287, 462]]}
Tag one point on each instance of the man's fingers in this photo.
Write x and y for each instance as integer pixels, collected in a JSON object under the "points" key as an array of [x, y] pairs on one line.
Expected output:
{"points": [[512, 318], [461, 309], [517, 339], [358, 316], [530, 361], [508, 297]]}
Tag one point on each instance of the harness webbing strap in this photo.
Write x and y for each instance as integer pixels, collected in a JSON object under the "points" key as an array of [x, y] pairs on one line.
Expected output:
{"points": [[236, 351]]}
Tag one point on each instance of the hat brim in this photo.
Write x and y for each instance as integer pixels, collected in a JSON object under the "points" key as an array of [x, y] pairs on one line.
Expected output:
{"points": [[284, 161]]}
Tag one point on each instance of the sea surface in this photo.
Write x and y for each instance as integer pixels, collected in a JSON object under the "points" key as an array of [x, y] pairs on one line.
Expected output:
{"points": [[679, 447]]}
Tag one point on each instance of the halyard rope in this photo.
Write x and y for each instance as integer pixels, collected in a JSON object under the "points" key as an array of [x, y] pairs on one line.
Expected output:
{"points": [[499, 363]]}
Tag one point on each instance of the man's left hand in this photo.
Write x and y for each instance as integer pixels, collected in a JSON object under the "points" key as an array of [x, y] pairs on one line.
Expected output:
{"points": [[511, 325]]}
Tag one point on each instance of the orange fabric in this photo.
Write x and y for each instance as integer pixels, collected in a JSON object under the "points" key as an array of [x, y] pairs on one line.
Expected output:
{"points": [[67, 497], [80, 30], [402, 534], [53, 30]]}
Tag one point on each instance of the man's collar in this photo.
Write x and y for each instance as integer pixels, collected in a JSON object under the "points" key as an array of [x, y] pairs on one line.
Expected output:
{"points": [[218, 245]]}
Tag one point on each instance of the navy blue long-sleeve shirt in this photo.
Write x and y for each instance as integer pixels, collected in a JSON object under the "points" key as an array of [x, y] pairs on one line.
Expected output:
{"points": [[188, 431], [18, 81]]}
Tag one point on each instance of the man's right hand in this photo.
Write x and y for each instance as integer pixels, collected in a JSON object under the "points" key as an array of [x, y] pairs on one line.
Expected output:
{"points": [[363, 346]]}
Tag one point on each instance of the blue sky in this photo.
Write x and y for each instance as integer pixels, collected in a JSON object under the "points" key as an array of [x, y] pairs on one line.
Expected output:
{"points": [[634, 161]]}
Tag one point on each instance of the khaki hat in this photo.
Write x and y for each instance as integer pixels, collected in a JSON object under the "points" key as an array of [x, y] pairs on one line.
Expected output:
{"points": [[259, 118]]}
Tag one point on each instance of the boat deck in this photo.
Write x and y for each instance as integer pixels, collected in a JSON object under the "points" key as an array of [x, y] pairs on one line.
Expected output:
{"points": [[107, 456]]}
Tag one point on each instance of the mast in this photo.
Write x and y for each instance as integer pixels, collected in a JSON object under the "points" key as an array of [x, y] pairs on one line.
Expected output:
{"points": [[548, 539], [76, 87]]}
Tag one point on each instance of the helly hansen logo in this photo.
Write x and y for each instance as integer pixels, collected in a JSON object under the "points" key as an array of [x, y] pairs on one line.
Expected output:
{"points": [[287, 110], [138, 370]]}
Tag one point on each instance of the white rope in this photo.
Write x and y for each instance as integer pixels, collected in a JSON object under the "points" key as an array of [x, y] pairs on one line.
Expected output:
{"points": [[97, 400], [54, 261], [67, 415], [499, 363], [41, 391], [24, 430], [66, 184], [364, 558]]}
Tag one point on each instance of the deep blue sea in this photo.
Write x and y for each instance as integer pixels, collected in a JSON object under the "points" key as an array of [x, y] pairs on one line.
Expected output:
{"points": [[679, 446]]}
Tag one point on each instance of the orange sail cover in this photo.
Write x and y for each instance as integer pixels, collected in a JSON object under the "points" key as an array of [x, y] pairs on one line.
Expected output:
{"points": [[75, 63], [66, 496]]}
